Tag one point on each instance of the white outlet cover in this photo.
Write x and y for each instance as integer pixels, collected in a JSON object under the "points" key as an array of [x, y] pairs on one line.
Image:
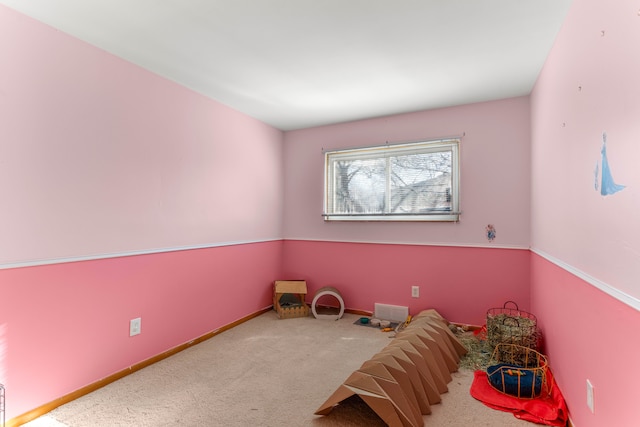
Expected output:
{"points": [[590, 402], [415, 291], [135, 326]]}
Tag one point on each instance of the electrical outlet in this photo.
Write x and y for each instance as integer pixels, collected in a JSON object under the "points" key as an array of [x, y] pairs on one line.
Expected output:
{"points": [[415, 291], [590, 401], [135, 326]]}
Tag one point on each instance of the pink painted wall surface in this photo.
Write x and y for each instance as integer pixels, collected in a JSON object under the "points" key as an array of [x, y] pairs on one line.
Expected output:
{"points": [[588, 335], [461, 283], [65, 326], [100, 156], [495, 175], [589, 85]]}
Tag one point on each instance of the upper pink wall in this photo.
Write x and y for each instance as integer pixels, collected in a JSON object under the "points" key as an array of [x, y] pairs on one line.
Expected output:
{"points": [[99, 156], [589, 243], [590, 86], [494, 175]]}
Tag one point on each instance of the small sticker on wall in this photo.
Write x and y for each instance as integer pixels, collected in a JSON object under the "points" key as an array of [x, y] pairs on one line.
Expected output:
{"points": [[603, 176], [491, 232]]}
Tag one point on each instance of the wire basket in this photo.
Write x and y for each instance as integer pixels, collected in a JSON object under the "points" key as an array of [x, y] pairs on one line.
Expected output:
{"points": [[518, 371], [512, 325]]}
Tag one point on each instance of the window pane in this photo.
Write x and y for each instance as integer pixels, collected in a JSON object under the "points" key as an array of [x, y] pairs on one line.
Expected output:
{"points": [[359, 186], [421, 183], [416, 181]]}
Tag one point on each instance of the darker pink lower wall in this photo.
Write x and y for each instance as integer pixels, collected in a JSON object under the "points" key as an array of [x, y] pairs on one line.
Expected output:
{"points": [[64, 326], [588, 335], [460, 282]]}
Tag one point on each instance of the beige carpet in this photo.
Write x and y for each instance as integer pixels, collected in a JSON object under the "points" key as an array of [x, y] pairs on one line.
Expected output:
{"points": [[264, 372]]}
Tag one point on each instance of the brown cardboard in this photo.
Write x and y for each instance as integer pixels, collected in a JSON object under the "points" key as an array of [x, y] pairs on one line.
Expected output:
{"points": [[291, 286], [403, 380], [379, 369], [394, 393], [408, 362], [447, 353], [440, 329], [411, 373], [443, 325], [428, 370], [430, 343], [298, 288], [429, 312], [429, 358], [457, 345], [384, 397]]}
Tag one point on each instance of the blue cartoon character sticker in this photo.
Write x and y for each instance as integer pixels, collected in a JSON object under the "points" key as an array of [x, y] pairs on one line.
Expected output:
{"points": [[491, 232], [606, 183]]}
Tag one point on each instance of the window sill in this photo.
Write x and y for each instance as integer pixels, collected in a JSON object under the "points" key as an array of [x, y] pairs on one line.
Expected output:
{"points": [[439, 217]]}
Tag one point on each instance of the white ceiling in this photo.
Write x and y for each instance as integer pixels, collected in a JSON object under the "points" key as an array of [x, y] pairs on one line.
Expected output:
{"points": [[302, 63]]}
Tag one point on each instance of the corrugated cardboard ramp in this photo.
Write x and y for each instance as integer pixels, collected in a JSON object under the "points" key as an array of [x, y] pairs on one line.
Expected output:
{"points": [[404, 379]]}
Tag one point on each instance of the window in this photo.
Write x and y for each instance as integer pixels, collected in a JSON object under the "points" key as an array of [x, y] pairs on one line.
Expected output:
{"points": [[404, 182]]}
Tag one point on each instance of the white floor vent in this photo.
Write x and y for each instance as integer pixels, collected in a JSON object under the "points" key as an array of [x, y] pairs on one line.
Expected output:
{"points": [[395, 313]]}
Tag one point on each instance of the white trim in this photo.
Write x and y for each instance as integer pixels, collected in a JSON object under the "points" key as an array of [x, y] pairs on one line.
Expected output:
{"points": [[381, 152], [604, 287], [441, 217], [394, 143], [35, 263], [379, 242]]}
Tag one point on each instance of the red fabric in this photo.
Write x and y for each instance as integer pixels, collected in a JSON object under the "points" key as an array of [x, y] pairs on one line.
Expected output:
{"points": [[549, 410]]}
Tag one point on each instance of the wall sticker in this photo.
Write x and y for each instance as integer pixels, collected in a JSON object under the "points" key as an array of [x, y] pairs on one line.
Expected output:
{"points": [[606, 184], [491, 232]]}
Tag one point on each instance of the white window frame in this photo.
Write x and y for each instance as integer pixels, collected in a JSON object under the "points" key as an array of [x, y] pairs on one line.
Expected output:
{"points": [[386, 151]]}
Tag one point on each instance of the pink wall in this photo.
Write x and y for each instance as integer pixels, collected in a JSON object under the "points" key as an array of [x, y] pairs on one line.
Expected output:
{"points": [[589, 85], [64, 326], [588, 335], [495, 175], [461, 283], [100, 156], [459, 271]]}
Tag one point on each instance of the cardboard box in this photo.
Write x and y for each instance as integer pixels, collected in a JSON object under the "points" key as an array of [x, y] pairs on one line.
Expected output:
{"points": [[403, 380], [384, 397], [442, 324], [404, 354], [288, 298], [379, 369], [431, 344], [421, 387], [427, 354], [455, 346], [451, 359], [397, 370]]}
